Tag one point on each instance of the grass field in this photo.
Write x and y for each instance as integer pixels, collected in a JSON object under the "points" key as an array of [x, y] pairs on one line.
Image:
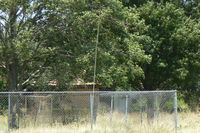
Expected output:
{"points": [[187, 123]]}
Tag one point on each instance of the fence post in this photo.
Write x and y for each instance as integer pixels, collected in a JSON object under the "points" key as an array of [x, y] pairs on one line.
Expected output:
{"points": [[25, 110], [175, 110], [39, 108], [157, 108], [51, 111], [141, 110], [95, 107], [91, 110], [17, 108], [8, 113], [126, 111], [75, 117], [111, 110]]}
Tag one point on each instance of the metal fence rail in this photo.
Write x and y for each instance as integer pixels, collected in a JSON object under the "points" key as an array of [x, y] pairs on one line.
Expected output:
{"points": [[131, 110]]}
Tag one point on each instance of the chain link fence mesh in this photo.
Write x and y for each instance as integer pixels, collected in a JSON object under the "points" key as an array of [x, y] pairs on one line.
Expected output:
{"points": [[140, 112]]}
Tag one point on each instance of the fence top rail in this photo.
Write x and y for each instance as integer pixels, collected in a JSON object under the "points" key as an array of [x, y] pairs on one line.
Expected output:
{"points": [[89, 92]]}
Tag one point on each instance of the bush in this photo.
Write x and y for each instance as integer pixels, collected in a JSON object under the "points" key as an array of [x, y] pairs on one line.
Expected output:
{"points": [[182, 106]]}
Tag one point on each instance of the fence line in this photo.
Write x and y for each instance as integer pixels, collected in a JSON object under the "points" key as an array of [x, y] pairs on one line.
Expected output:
{"points": [[86, 92], [128, 109]]}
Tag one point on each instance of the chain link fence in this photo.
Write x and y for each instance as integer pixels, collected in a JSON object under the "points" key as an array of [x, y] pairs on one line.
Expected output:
{"points": [[138, 111]]}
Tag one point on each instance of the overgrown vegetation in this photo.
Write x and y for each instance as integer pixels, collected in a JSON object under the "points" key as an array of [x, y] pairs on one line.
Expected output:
{"points": [[188, 123]]}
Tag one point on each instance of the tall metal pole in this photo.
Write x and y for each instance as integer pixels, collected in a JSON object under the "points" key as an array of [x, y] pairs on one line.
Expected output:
{"points": [[175, 111], [91, 110], [94, 77], [8, 113], [126, 111], [95, 57], [111, 110]]}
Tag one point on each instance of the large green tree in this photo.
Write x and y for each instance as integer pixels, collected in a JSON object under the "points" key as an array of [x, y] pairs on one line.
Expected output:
{"points": [[119, 55], [172, 39], [30, 32], [173, 43]]}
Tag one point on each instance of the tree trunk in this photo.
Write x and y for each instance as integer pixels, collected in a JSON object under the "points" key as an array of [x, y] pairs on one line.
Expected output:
{"points": [[62, 110], [150, 99], [150, 108], [12, 86]]}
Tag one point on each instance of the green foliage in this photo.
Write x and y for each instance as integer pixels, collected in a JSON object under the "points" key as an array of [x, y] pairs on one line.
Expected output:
{"points": [[172, 41], [55, 41], [119, 54], [182, 106], [31, 37]]}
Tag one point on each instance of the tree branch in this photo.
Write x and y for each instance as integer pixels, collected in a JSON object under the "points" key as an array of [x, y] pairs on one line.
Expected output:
{"points": [[3, 18], [22, 20], [29, 78], [36, 74]]}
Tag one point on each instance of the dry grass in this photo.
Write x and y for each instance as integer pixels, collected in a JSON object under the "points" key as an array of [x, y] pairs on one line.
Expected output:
{"points": [[3, 124], [187, 123]]}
